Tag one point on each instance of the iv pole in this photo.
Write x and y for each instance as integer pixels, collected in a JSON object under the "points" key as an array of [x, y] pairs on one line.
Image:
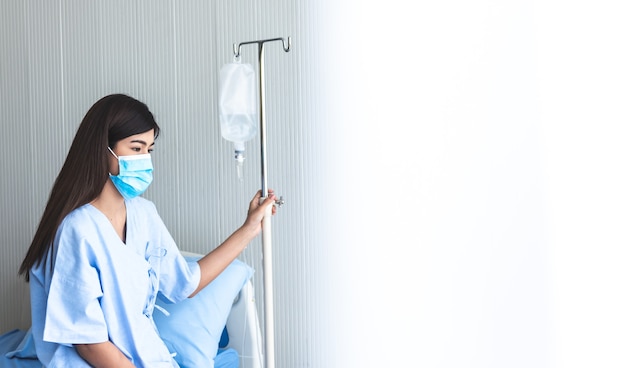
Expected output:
{"points": [[266, 224]]}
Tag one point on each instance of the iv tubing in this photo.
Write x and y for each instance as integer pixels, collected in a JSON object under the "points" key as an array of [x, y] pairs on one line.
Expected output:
{"points": [[266, 224]]}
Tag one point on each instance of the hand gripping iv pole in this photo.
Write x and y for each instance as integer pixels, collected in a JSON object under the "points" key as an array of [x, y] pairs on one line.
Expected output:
{"points": [[266, 224]]}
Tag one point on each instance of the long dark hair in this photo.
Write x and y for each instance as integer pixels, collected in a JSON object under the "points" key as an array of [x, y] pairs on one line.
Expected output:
{"points": [[85, 170]]}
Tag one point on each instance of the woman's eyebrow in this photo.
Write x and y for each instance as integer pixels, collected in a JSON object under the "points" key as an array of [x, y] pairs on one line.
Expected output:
{"points": [[141, 142]]}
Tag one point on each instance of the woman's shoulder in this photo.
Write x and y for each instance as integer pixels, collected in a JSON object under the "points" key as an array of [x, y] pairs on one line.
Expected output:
{"points": [[81, 222], [81, 215]]}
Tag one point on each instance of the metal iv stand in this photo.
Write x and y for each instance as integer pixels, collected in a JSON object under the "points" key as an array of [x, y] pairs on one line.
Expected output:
{"points": [[266, 224]]}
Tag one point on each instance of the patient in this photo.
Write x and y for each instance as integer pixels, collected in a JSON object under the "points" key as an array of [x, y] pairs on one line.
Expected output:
{"points": [[101, 253]]}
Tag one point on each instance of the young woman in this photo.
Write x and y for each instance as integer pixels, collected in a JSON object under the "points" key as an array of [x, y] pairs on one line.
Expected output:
{"points": [[101, 252]]}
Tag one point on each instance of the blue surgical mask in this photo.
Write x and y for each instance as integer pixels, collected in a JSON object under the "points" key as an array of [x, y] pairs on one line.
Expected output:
{"points": [[135, 174]]}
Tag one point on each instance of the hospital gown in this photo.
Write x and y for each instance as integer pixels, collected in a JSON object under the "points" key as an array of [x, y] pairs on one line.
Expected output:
{"points": [[102, 289]]}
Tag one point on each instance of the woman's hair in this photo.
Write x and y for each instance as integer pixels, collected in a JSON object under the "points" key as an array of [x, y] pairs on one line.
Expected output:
{"points": [[86, 169]]}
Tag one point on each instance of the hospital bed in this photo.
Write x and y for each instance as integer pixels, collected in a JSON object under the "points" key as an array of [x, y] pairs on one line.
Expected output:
{"points": [[244, 330], [242, 335]]}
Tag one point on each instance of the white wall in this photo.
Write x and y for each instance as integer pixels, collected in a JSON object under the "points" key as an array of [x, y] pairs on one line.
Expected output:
{"points": [[452, 169], [483, 199]]}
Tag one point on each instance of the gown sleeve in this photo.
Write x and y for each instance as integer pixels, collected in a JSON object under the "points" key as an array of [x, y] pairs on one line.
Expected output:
{"points": [[73, 313]]}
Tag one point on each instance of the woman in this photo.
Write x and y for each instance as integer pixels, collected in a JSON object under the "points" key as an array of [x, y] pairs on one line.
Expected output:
{"points": [[101, 252]]}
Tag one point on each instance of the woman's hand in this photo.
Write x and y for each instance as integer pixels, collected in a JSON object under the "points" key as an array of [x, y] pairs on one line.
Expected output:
{"points": [[257, 210]]}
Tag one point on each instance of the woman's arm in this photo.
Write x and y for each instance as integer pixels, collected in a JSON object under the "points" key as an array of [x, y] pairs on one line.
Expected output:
{"points": [[104, 354], [217, 260]]}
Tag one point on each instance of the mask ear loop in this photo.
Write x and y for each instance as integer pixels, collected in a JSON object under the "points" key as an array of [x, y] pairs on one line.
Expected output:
{"points": [[113, 153], [118, 159]]}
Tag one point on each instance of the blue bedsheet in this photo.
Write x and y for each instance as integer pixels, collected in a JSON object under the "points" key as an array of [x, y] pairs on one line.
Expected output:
{"points": [[17, 350]]}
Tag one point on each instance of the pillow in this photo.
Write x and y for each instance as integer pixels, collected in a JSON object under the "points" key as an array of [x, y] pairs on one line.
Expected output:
{"points": [[227, 358], [194, 326]]}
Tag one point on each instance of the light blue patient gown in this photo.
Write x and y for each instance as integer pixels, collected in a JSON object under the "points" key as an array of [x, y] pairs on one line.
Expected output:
{"points": [[102, 289]]}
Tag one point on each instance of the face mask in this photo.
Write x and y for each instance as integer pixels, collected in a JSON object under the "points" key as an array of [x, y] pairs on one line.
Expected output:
{"points": [[135, 174]]}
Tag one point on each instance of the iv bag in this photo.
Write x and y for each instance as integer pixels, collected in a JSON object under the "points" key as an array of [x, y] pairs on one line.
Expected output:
{"points": [[238, 103]]}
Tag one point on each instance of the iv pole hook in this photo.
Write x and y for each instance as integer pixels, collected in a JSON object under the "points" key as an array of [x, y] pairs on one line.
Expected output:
{"points": [[286, 44]]}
